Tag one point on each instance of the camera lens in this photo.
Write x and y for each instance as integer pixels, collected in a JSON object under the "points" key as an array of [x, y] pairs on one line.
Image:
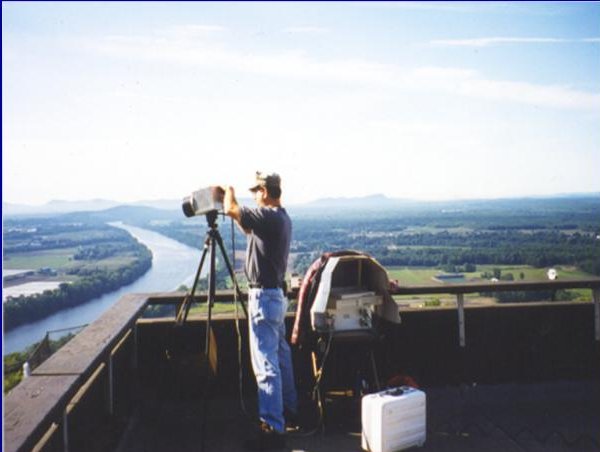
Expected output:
{"points": [[188, 207]]}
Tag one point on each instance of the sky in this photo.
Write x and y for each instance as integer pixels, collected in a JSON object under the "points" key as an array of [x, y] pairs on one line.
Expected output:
{"points": [[413, 100]]}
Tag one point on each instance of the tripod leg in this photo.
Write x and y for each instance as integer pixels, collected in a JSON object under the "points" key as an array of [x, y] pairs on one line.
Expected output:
{"points": [[212, 279], [187, 301], [236, 286]]}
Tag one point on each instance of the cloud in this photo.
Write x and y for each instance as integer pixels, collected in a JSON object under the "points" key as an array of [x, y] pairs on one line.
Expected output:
{"points": [[472, 84], [193, 30], [306, 30], [485, 42], [527, 93], [205, 52], [450, 6]]}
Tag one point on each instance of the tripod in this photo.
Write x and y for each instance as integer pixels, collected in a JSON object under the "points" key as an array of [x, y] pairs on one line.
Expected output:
{"points": [[213, 238]]}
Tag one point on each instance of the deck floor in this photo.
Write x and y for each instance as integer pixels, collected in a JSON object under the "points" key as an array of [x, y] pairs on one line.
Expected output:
{"points": [[550, 416]]}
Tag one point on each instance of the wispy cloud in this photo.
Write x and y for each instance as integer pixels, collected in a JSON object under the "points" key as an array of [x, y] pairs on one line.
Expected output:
{"points": [[451, 6], [485, 42], [189, 31], [306, 30], [300, 66], [206, 52], [472, 84]]}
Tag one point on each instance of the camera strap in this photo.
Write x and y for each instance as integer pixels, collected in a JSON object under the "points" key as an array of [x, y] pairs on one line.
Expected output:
{"points": [[237, 329]]}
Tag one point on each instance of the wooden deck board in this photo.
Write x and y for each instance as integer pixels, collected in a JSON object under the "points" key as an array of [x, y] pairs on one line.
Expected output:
{"points": [[31, 407]]}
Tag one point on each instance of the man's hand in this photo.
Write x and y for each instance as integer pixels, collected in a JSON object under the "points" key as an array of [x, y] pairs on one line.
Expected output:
{"points": [[231, 207]]}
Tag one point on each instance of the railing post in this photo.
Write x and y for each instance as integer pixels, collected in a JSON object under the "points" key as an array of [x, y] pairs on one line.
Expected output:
{"points": [[111, 388], [65, 431], [135, 346], [596, 295], [111, 369], [460, 302]]}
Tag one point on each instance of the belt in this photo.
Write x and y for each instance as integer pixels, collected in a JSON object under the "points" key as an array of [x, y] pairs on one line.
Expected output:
{"points": [[260, 286]]}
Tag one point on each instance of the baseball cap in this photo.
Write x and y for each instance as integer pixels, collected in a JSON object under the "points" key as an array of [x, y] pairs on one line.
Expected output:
{"points": [[266, 180]]}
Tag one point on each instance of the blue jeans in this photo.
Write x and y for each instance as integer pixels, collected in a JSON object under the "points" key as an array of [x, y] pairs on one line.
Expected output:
{"points": [[271, 356]]}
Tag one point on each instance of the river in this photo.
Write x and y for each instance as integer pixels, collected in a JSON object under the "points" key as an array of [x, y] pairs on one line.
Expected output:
{"points": [[173, 264]]}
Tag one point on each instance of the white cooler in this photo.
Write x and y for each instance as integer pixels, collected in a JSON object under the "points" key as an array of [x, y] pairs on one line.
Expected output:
{"points": [[393, 420]]}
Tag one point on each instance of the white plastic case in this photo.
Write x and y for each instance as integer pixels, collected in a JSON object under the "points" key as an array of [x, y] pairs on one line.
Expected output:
{"points": [[393, 420]]}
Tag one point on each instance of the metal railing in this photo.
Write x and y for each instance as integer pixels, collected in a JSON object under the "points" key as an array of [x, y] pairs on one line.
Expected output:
{"points": [[450, 288], [504, 286]]}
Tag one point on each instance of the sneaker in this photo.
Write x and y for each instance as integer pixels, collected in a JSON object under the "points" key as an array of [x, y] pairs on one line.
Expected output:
{"points": [[266, 439], [292, 422]]}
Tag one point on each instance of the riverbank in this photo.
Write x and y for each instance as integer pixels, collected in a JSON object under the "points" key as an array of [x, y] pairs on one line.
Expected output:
{"points": [[173, 264]]}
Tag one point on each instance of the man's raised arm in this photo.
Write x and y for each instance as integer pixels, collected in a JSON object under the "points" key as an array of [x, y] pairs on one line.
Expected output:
{"points": [[232, 208]]}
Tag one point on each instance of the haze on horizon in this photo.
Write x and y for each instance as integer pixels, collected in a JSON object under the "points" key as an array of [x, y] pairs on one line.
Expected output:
{"points": [[415, 100]]}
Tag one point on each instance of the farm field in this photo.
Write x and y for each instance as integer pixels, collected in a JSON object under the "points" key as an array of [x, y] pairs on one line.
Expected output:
{"points": [[53, 258], [424, 277], [110, 263], [62, 259]]}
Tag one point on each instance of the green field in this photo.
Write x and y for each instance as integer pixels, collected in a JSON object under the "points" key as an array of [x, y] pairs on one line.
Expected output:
{"points": [[420, 276], [218, 308], [61, 259], [33, 260], [424, 276], [110, 263], [413, 276], [531, 273]]}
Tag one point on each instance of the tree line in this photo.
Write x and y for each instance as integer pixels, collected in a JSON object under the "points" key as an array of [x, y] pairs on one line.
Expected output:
{"points": [[24, 309], [24, 235], [539, 239]]}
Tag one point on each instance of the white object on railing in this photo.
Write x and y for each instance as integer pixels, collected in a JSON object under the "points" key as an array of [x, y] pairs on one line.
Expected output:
{"points": [[26, 370]]}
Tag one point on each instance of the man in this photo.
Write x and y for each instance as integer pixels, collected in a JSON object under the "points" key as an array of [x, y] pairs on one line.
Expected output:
{"points": [[268, 229]]}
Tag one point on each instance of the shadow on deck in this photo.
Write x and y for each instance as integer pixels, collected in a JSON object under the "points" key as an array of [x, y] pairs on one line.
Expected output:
{"points": [[557, 416]]}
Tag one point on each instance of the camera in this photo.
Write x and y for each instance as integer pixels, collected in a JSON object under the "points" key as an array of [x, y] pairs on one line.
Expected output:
{"points": [[203, 201]]}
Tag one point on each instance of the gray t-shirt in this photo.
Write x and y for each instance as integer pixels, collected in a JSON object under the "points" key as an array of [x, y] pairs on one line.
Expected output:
{"points": [[268, 244]]}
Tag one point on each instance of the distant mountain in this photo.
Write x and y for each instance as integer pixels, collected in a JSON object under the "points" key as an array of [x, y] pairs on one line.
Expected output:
{"points": [[93, 205], [164, 204], [126, 213], [57, 207], [382, 205], [371, 202], [376, 201], [566, 195]]}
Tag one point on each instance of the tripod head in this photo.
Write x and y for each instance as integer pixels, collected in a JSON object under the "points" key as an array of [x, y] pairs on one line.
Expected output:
{"points": [[211, 218]]}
